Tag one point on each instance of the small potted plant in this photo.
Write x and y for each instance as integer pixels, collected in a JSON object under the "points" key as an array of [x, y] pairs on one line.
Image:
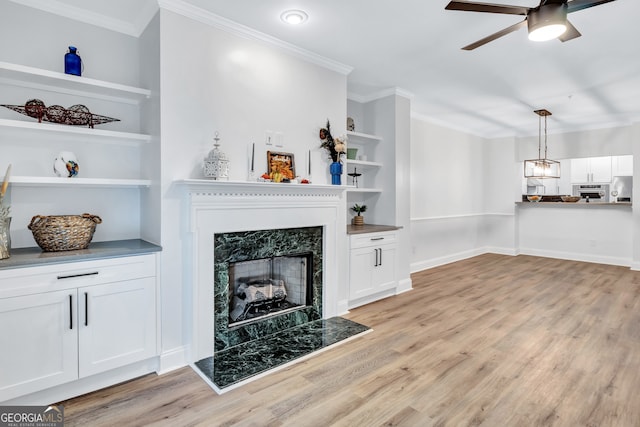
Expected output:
{"points": [[358, 209]]}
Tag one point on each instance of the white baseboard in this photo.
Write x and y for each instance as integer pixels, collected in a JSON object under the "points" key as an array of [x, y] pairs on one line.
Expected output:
{"points": [[173, 359], [404, 285], [343, 307], [575, 256], [448, 259]]}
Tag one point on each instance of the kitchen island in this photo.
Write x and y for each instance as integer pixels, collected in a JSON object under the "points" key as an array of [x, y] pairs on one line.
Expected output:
{"points": [[594, 232]]}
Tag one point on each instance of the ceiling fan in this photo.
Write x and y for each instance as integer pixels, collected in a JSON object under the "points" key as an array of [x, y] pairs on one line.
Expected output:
{"points": [[546, 21]]}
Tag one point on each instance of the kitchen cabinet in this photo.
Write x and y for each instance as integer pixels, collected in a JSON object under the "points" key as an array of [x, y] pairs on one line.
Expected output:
{"points": [[592, 169], [622, 165], [69, 321], [372, 266]]}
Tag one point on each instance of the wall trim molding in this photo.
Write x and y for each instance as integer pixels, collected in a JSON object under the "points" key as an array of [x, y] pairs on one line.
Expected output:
{"points": [[379, 95], [92, 18], [576, 256], [469, 215], [173, 359], [232, 27]]}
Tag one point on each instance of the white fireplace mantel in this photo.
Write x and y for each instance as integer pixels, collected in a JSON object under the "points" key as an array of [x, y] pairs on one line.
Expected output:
{"points": [[221, 207]]}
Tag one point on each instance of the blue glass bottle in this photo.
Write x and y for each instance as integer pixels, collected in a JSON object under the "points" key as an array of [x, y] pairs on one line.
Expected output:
{"points": [[72, 62]]}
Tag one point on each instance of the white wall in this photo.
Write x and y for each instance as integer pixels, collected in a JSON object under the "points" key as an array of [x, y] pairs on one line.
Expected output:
{"points": [[448, 191], [213, 81]]}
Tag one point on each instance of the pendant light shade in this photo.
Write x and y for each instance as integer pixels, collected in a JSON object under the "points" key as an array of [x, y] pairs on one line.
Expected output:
{"points": [[542, 167]]}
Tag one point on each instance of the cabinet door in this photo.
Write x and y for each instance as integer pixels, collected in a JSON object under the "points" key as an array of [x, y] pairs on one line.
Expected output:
{"points": [[39, 342], [601, 169], [362, 263], [580, 171], [622, 166], [384, 271], [117, 324]]}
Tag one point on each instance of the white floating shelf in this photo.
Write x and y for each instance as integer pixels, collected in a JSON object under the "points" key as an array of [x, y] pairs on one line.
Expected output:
{"points": [[44, 181], [351, 189], [70, 82], [75, 130], [364, 163], [364, 136]]}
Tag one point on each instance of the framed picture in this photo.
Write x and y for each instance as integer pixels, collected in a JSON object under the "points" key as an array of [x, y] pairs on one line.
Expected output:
{"points": [[281, 166]]}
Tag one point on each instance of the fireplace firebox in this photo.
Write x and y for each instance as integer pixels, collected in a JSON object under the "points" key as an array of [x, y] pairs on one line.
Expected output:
{"points": [[265, 287]]}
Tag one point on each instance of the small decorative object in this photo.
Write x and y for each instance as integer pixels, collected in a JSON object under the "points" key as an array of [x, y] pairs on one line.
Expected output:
{"points": [[570, 199], [216, 164], [534, 198], [66, 165], [354, 176], [358, 209], [5, 219], [281, 166], [335, 148], [351, 153], [72, 62], [351, 126], [252, 174], [63, 232], [76, 115]]}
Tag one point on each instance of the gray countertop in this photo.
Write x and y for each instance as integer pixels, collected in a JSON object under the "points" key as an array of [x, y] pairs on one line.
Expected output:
{"points": [[30, 257], [578, 204], [370, 228]]}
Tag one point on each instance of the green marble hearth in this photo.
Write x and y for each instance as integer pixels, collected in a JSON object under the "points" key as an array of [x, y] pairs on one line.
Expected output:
{"points": [[238, 364]]}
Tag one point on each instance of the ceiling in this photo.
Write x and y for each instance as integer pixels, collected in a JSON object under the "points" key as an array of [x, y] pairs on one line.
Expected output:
{"points": [[414, 45]]}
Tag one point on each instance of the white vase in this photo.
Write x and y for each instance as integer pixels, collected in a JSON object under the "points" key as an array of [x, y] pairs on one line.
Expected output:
{"points": [[66, 165]]}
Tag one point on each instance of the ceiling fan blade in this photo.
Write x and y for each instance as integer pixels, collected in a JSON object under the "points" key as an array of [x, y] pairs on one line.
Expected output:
{"points": [[496, 35], [576, 5], [570, 34], [487, 7]]}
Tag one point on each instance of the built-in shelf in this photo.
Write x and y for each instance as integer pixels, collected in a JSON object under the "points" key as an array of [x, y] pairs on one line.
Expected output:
{"points": [[352, 189], [364, 136], [67, 83], [115, 136], [44, 181], [364, 163]]}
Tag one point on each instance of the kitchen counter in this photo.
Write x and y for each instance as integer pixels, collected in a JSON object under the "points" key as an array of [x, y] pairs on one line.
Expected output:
{"points": [[30, 257], [370, 228], [578, 204]]}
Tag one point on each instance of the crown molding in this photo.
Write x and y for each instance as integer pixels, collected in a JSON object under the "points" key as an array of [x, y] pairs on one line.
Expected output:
{"points": [[379, 95], [78, 14], [232, 27]]}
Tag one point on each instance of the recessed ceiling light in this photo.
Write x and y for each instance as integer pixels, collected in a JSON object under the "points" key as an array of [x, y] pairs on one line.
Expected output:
{"points": [[294, 17]]}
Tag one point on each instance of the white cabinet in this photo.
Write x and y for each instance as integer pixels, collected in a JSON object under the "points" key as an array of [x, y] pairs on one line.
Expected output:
{"points": [[372, 266], [592, 169], [622, 165], [69, 321], [40, 342]]}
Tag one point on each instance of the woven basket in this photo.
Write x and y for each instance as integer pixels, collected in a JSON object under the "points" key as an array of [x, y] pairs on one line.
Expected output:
{"points": [[63, 232]]}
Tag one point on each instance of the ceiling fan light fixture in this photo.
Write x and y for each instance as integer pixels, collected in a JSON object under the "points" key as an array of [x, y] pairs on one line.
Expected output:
{"points": [[548, 22]]}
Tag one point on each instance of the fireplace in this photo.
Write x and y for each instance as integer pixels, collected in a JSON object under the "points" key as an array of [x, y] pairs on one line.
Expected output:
{"points": [[229, 223]]}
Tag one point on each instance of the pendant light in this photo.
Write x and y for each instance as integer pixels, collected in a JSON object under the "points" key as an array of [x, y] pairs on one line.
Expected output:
{"points": [[542, 167]]}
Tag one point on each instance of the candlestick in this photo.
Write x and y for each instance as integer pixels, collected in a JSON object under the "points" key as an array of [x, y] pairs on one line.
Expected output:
{"points": [[253, 153]]}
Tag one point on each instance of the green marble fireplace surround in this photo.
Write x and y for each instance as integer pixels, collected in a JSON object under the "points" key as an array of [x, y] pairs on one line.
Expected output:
{"points": [[254, 245]]}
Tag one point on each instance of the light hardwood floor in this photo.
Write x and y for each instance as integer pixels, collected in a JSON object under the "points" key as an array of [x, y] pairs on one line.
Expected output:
{"points": [[491, 341]]}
